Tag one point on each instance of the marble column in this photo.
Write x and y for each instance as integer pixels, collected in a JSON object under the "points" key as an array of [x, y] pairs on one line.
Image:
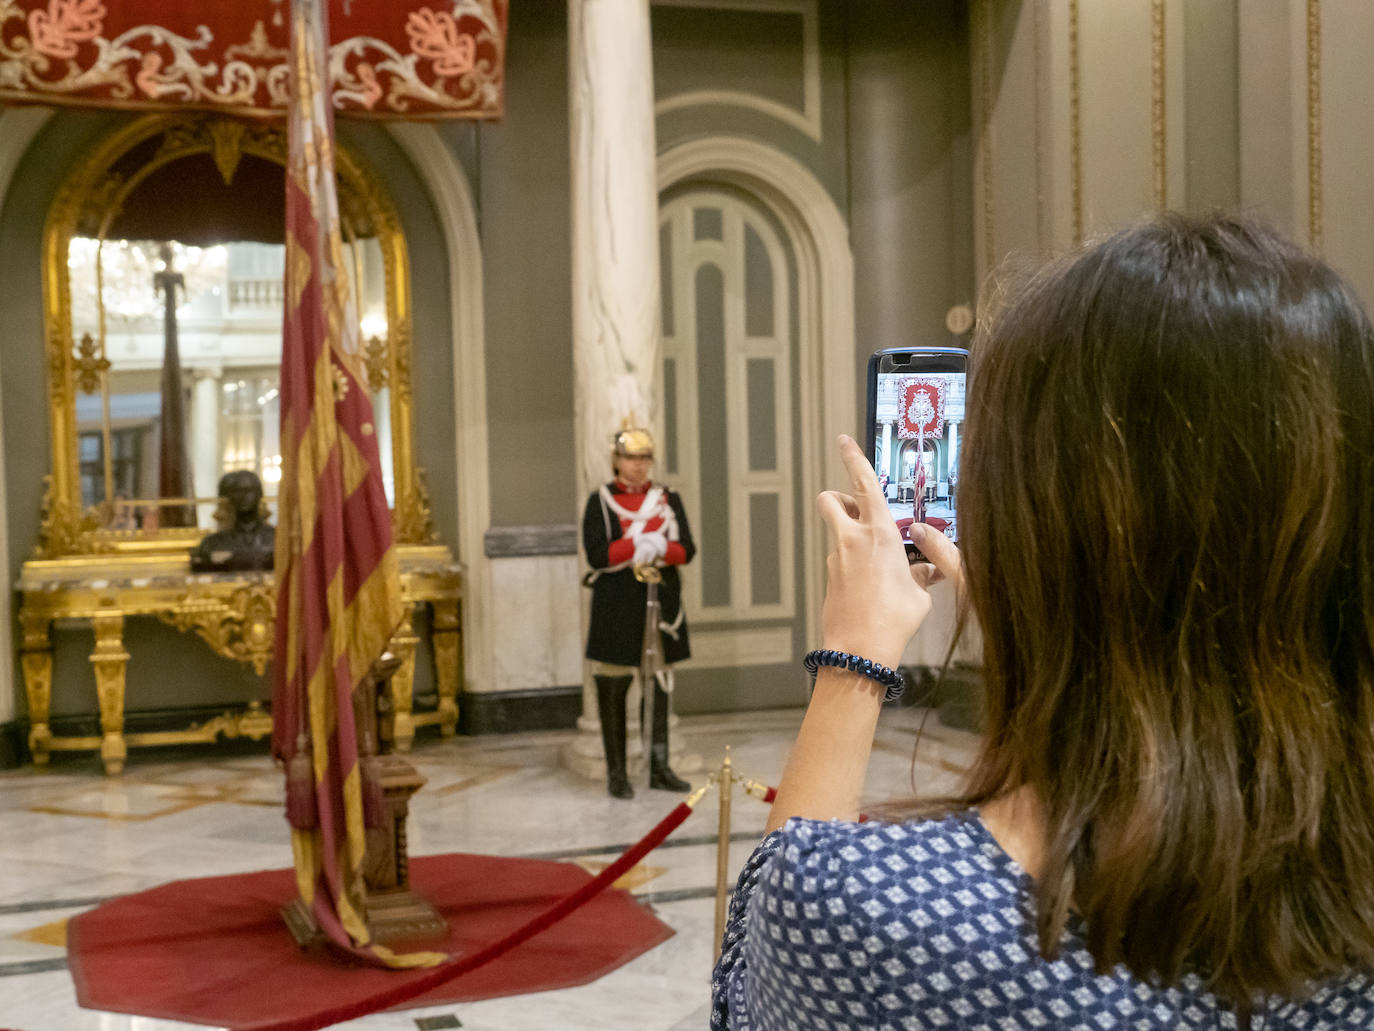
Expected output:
{"points": [[614, 224], [205, 456], [614, 258]]}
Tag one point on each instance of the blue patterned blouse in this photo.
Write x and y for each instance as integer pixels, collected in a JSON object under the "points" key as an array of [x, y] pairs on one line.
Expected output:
{"points": [[895, 927]]}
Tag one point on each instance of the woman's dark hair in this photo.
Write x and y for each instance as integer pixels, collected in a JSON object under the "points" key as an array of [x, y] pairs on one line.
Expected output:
{"points": [[1167, 516]]}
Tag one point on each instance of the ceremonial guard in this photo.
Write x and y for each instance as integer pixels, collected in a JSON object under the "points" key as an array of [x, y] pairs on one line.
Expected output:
{"points": [[631, 522]]}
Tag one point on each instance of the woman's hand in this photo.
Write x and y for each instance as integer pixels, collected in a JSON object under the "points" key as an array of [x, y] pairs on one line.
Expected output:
{"points": [[874, 600]]}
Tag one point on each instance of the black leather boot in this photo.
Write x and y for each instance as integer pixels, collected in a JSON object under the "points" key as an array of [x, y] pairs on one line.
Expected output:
{"points": [[610, 705], [661, 775]]}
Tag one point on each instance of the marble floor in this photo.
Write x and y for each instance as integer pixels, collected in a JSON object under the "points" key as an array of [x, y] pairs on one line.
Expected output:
{"points": [[70, 837]]}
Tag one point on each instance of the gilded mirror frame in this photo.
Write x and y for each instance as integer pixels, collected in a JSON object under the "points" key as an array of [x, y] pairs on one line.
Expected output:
{"points": [[91, 196]]}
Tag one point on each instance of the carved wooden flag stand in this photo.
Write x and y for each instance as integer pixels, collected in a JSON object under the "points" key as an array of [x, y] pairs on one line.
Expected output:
{"points": [[394, 912]]}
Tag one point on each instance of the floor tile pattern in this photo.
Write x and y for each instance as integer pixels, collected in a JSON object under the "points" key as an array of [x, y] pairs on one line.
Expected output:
{"points": [[70, 837]]}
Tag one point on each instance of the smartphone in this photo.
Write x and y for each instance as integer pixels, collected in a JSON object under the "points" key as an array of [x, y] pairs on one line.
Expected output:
{"points": [[915, 412]]}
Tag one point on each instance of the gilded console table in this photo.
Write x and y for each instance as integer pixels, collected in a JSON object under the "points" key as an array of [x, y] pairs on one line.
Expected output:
{"points": [[234, 613]]}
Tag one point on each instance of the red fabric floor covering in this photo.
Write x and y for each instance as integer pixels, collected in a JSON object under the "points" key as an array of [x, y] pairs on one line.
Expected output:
{"points": [[215, 950]]}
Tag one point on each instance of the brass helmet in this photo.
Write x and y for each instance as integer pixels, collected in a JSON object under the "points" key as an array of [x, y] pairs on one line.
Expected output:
{"points": [[631, 442]]}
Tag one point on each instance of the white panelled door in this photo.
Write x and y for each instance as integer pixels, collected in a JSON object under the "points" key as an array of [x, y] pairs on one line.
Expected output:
{"points": [[728, 388]]}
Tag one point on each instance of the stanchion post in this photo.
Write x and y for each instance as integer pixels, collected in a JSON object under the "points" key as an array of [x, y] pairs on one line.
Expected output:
{"points": [[727, 790]]}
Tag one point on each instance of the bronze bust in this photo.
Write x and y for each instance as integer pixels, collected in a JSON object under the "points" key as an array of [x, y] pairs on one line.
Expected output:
{"points": [[250, 543]]}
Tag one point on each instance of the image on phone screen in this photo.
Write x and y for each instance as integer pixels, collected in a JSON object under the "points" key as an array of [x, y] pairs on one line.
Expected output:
{"points": [[917, 407]]}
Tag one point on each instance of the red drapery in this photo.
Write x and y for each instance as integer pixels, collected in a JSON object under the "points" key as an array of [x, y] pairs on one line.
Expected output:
{"points": [[922, 408], [387, 58]]}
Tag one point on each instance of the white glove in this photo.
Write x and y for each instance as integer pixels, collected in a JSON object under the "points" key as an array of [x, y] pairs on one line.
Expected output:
{"points": [[649, 547]]}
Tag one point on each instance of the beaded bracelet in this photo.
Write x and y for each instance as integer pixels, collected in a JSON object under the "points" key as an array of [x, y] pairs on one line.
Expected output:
{"points": [[891, 679]]}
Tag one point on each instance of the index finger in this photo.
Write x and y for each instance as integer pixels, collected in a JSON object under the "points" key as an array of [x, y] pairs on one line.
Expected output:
{"points": [[863, 481], [941, 552]]}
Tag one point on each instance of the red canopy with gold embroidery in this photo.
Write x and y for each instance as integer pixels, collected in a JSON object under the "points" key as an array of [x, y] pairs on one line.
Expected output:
{"points": [[413, 59], [922, 408]]}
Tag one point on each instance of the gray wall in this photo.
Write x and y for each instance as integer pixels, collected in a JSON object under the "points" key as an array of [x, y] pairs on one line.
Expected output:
{"points": [[700, 49], [1212, 106], [431, 329], [911, 216], [522, 195]]}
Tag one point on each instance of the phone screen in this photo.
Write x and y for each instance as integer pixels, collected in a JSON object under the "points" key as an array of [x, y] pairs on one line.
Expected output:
{"points": [[916, 410]]}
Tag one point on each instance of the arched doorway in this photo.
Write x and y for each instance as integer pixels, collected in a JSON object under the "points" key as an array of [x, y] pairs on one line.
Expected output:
{"points": [[448, 187], [752, 407], [728, 352]]}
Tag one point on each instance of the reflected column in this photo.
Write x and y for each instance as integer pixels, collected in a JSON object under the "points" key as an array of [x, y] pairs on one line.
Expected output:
{"points": [[614, 256], [271, 446], [381, 415], [205, 452], [953, 464]]}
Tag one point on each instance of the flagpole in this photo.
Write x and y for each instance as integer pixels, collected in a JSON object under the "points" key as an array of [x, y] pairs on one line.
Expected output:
{"points": [[327, 642]]}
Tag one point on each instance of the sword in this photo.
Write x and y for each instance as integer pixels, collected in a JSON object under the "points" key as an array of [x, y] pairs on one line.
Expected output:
{"points": [[650, 660]]}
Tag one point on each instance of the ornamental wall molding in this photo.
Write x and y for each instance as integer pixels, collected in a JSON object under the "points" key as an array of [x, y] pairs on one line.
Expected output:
{"points": [[807, 119]]}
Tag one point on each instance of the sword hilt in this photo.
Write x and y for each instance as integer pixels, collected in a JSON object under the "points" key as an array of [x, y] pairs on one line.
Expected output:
{"points": [[648, 573]]}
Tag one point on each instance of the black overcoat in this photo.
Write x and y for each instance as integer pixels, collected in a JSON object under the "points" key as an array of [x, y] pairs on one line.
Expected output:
{"points": [[616, 634]]}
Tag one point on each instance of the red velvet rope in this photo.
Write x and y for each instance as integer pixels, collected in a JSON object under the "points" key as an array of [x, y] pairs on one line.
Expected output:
{"points": [[456, 968]]}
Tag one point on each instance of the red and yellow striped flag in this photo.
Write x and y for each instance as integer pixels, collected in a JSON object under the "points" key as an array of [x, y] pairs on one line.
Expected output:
{"points": [[338, 588]]}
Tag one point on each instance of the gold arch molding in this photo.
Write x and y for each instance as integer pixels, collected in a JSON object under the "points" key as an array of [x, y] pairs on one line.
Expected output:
{"points": [[88, 202]]}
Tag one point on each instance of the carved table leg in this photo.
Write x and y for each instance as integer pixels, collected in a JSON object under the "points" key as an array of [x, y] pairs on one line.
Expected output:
{"points": [[402, 645], [109, 660], [448, 662], [36, 653]]}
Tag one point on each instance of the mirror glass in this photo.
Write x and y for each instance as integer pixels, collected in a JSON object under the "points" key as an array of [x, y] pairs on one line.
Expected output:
{"points": [[192, 338]]}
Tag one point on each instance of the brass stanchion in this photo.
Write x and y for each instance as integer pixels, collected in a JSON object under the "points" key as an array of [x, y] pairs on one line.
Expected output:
{"points": [[727, 789]]}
